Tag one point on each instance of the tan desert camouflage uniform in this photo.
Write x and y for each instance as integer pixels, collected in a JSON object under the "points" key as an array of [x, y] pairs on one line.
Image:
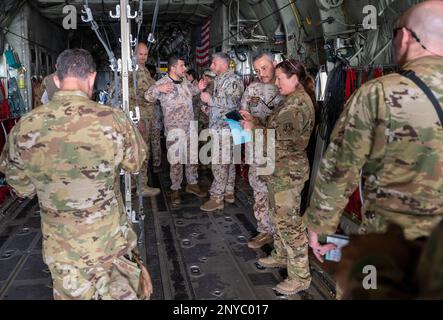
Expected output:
{"points": [[293, 123], [178, 113], [228, 90], [260, 99]]}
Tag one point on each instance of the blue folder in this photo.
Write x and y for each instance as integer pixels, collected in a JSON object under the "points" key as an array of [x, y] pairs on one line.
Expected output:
{"points": [[239, 135]]}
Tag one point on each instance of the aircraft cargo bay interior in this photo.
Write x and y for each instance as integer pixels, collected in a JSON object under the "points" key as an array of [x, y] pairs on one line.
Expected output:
{"points": [[221, 149]]}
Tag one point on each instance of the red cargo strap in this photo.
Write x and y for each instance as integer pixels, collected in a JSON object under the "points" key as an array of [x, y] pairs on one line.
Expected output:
{"points": [[364, 76], [5, 113], [354, 205], [350, 82]]}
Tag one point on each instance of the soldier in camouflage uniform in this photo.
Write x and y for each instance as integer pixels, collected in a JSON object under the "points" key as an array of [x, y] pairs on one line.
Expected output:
{"points": [[175, 93], [260, 99], [293, 122], [69, 152], [144, 82], [228, 89], [390, 130]]}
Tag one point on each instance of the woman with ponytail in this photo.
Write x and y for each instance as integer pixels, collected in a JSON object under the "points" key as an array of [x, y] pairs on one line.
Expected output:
{"points": [[293, 122]]}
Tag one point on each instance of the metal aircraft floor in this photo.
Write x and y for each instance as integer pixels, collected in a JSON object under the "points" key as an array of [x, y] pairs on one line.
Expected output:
{"points": [[191, 255]]}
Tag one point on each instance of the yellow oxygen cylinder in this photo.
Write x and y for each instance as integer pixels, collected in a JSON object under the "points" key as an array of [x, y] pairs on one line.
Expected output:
{"points": [[232, 65], [21, 81], [21, 78]]}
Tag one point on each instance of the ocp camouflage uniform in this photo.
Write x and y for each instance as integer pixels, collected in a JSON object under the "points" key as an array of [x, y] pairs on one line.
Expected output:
{"points": [[70, 152], [293, 122], [391, 130], [269, 100], [177, 114], [144, 82], [228, 89], [156, 128]]}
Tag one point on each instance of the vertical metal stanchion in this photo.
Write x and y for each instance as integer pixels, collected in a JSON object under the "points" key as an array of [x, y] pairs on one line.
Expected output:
{"points": [[125, 60], [126, 66]]}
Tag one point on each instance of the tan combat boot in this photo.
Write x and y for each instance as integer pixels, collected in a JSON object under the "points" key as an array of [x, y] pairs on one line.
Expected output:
{"points": [[260, 240], [212, 205], [195, 189], [175, 197], [270, 262], [147, 191], [230, 198], [292, 286]]}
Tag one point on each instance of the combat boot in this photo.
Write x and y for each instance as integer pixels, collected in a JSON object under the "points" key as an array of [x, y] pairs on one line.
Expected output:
{"points": [[290, 287], [175, 197], [147, 191], [195, 189], [212, 205], [260, 240], [230, 198], [270, 262]]}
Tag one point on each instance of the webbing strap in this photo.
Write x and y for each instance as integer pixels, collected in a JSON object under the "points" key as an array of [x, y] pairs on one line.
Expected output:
{"points": [[431, 96]]}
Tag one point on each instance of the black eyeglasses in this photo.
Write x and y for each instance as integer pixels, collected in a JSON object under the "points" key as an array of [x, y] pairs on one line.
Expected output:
{"points": [[413, 34]]}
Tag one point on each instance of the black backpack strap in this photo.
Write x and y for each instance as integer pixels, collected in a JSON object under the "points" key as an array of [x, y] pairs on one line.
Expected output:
{"points": [[431, 96]]}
